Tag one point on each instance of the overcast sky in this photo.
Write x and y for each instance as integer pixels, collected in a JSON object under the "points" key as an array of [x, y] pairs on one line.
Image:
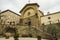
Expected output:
{"points": [[16, 5]]}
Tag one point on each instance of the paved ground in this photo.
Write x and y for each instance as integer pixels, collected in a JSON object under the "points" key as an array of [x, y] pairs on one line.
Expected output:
{"points": [[11, 38]]}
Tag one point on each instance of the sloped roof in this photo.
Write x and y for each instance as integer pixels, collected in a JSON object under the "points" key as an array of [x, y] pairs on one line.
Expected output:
{"points": [[51, 14], [28, 5], [9, 11], [41, 12]]}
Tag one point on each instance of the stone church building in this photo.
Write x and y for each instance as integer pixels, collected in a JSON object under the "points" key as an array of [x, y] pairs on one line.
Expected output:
{"points": [[30, 16]]}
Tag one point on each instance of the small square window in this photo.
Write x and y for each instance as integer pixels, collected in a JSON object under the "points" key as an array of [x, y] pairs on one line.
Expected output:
{"points": [[25, 23], [42, 23], [29, 23], [8, 22]]}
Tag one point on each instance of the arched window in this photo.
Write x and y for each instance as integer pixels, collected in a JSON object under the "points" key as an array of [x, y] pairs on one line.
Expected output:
{"points": [[36, 15], [28, 13]]}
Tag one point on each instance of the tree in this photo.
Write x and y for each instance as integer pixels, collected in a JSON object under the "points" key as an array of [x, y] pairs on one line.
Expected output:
{"points": [[53, 30]]}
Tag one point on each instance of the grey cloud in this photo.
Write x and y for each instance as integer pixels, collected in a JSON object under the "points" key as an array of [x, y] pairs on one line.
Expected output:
{"points": [[17, 5]]}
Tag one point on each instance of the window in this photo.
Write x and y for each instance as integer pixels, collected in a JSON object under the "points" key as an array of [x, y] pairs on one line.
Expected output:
{"points": [[28, 13], [36, 15], [25, 23], [42, 23], [10, 23], [13, 23], [49, 17], [29, 23]]}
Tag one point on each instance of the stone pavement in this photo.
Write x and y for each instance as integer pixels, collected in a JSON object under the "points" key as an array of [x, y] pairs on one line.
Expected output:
{"points": [[11, 38]]}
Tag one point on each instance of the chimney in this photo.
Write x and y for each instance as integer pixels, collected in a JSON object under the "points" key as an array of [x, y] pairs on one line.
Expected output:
{"points": [[48, 13]]}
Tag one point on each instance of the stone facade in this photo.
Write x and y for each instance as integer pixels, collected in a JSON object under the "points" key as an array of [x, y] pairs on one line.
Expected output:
{"points": [[50, 18], [30, 16], [9, 17]]}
